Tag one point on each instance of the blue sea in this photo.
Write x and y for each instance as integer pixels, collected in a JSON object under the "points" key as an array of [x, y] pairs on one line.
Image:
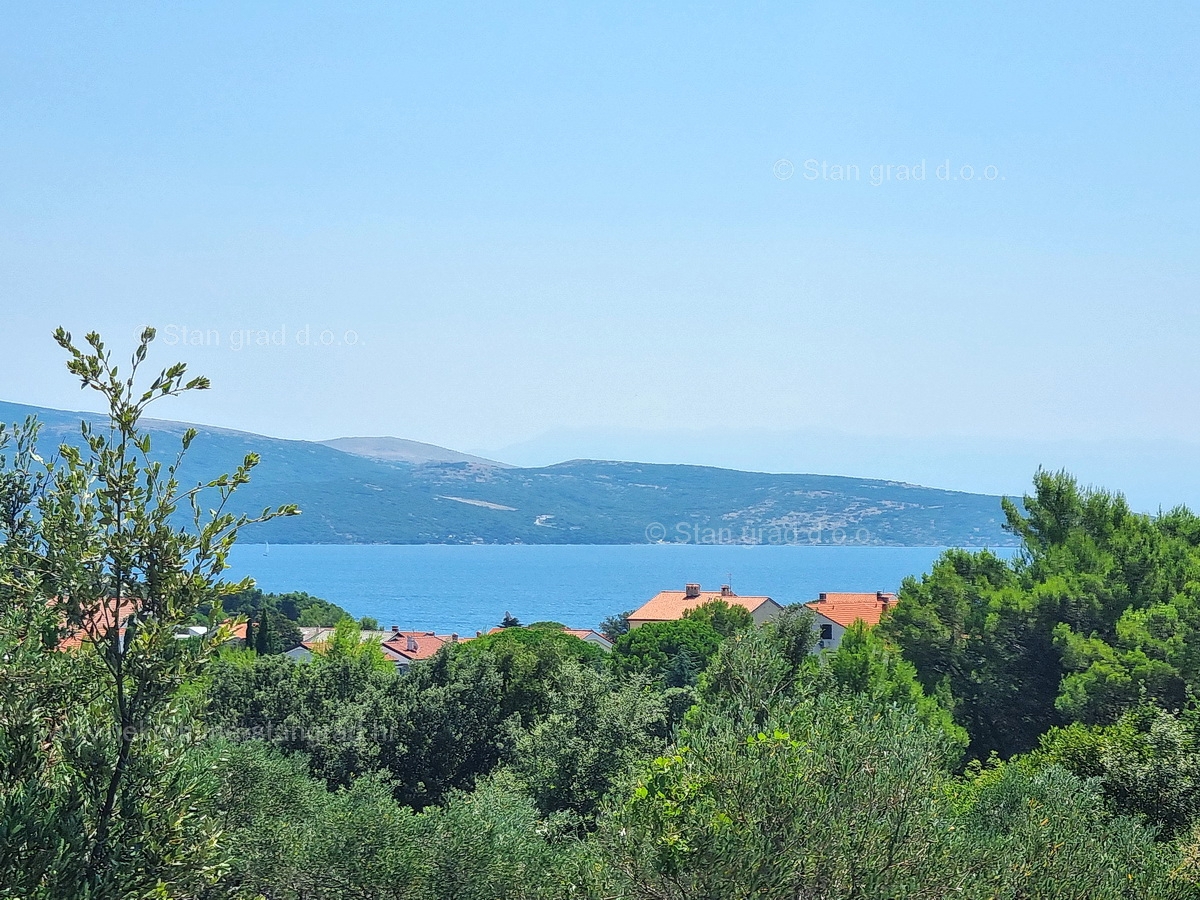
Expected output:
{"points": [[468, 588]]}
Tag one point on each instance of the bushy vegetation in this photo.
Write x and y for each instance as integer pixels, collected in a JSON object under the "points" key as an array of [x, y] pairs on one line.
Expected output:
{"points": [[1013, 728]]}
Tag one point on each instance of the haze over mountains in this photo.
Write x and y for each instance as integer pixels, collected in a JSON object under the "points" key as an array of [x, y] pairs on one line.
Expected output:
{"points": [[391, 449], [390, 490]]}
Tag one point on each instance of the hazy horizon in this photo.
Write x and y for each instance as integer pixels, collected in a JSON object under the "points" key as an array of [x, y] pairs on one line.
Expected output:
{"points": [[1152, 475]]}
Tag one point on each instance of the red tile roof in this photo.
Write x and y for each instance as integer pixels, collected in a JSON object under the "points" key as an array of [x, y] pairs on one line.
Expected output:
{"points": [[99, 625], [666, 606], [424, 644], [846, 608], [96, 628]]}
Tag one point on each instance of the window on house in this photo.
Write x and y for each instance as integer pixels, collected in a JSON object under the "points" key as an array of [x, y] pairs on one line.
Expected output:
{"points": [[827, 632]]}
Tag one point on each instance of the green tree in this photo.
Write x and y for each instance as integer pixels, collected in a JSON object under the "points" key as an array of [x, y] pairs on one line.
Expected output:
{"points": [[98, 784], [347, 641], [1147, 764], [1022, 832], [615, 626], [759, 670], [724, 618], [787, 811], [529, 661], [864, 664], [297, 607], [837, 796], [1099, 612], [666, 649], [596, 730], [273, 633]]}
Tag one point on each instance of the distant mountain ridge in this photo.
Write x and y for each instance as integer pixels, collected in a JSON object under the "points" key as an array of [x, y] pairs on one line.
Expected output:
{"points": [[352, 498], [392, 449]]}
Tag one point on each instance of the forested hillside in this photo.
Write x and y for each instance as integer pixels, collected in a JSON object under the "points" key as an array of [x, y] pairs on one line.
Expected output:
{"points": [[347, 498]]}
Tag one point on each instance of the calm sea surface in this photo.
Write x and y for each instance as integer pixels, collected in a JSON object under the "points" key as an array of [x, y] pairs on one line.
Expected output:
{"points": [[464, 589]]}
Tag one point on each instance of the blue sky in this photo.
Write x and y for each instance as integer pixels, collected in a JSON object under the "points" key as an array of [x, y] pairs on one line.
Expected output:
{"points": [[558, 229]]}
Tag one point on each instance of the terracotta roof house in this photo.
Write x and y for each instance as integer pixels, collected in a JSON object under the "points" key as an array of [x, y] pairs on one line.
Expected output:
{"points": [[400, 647], [667, 606], [99, 626], [414, 645], [838, 611]]}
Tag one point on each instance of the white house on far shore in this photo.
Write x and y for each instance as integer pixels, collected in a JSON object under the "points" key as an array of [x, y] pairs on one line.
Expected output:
{"points": [[837, 612]]}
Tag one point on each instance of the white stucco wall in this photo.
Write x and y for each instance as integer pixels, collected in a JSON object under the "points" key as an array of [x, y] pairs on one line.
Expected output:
{"points": [[836, 631]]}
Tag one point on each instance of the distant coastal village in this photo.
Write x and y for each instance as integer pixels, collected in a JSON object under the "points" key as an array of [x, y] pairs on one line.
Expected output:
{"points": [[833, 614]]}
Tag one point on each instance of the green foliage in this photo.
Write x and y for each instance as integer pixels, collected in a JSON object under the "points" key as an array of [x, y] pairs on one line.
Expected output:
{"points": [[1098, 615], [975, 635], [1021, 832], [789, 810], [491, 845], [529, 661], [1147, 764], [724, 618], [296, 606], [99, 797], [290, 837], [673, 652], [837, 797], [271, 632], [447, 722], [346, 641], [760, 669], [597, 729], [864, 664], [295, 840], [615, 626]]}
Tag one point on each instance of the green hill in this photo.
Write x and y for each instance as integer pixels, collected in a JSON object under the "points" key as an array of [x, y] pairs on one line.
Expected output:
{"points": [[347, 498]]}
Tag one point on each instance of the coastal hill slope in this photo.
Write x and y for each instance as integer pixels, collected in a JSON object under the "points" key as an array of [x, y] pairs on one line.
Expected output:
{"points": [[351, 498]]}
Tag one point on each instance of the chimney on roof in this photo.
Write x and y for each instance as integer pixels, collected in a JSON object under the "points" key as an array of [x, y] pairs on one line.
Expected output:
{"points": [[691, 590], [395, 629], [411, 644], [454, 638], [822, 596], [726, 591]]}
